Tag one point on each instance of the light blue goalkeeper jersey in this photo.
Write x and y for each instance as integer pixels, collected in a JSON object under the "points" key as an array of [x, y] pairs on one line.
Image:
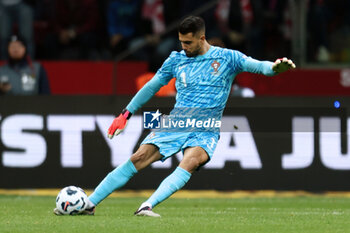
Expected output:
{"points": [[203, 81]]}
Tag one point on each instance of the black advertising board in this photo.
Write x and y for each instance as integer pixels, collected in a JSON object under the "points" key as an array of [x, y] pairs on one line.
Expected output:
{"points": [[275, 143]]}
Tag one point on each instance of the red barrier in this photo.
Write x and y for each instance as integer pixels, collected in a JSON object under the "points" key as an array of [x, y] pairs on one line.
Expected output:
{"points": [[72, 78], [298, 82]]}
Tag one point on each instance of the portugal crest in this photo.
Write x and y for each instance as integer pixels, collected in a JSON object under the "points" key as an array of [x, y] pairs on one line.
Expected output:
{"points": [[215, 66]]}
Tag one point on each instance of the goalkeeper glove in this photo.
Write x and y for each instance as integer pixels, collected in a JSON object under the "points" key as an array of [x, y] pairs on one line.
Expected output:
{"points": [[119, 123], [282, 65]]}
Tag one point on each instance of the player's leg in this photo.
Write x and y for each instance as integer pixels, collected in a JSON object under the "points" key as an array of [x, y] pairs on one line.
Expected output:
{"points": [[144, 156], [193, 158]]}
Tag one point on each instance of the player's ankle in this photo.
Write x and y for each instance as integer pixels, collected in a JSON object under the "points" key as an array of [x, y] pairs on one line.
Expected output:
{"points": [[90, 204], [145, 204]]}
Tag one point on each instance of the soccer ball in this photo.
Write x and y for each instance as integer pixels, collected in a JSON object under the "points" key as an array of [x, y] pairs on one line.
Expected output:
{"points": [[71, 200]]}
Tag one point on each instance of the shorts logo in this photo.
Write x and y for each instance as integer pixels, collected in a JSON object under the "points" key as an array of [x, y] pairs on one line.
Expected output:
{"points": [[212, 143], [150, 136], [151, 120]]}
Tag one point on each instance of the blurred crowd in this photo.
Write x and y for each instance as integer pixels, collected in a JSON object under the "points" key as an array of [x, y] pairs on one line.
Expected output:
{"points": [[328, 30], [103, 29]]}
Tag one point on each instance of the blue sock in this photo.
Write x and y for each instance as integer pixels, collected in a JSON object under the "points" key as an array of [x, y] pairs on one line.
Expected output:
{"points": [[114, 180], [170, 185]]}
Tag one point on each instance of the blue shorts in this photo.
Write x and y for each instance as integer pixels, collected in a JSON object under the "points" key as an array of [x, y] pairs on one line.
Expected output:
{"points": [[170, 143]]}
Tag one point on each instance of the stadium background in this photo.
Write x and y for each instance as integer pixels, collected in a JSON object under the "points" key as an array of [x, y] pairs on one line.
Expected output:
{"points": [[43, 136]]}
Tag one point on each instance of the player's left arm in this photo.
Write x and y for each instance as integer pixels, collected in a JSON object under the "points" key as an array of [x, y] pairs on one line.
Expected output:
{"points": [[266, 67]]}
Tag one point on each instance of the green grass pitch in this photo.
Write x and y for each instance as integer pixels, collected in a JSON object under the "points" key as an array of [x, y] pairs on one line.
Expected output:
{"points": [[292, 214]]}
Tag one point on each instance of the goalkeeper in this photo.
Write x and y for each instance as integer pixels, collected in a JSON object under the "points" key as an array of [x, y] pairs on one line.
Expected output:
{"points": [[204, 76]]}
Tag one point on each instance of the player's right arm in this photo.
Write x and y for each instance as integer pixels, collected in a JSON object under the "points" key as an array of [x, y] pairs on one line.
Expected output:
{"points": [[248, 64], [139, 99], [161, 78]]}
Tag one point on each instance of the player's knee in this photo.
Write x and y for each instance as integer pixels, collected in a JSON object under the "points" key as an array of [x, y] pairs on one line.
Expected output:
{"points": [[193, 163], [142, 156], [138, 156]]}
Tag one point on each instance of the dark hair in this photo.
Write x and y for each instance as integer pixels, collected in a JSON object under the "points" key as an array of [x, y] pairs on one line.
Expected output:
{"points": [[11, 61], [192, 24], [18, 38]]}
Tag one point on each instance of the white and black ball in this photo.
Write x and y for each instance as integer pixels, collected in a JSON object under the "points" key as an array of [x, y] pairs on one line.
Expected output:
{"points": [[71, 200]]}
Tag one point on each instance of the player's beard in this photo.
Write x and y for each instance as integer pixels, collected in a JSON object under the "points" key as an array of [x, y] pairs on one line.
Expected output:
{"points": [[195, 52]]}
